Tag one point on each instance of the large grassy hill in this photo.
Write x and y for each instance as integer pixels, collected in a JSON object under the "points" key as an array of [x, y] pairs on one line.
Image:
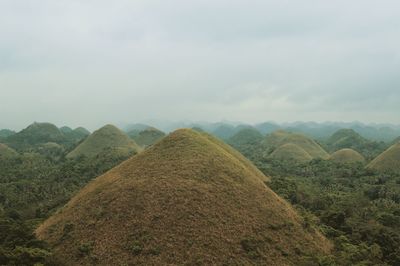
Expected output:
{"points": [[187, 200]]}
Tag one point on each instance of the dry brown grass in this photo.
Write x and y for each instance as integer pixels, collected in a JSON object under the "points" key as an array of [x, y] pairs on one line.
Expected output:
{"points": [[347, 156], [388, 161], [187, 200], [105, 138]]}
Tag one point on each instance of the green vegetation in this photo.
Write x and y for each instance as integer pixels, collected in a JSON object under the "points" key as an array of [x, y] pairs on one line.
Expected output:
{"points": [[37, 133], [6, 152], [358, 209], [247, 141], [348, 138]]}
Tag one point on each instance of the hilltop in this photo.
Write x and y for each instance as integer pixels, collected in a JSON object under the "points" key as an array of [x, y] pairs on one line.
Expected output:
{"points": [[347, 156], [34, 134], [388, 161], [290, 152], [188, 199], [108, 138], [280, 137], [7, 152], [147, 137]]}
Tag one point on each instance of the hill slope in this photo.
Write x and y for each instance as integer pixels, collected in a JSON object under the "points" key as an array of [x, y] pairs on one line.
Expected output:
{"points": [[388, 161], [280, 137], [347, 156], [291, 152], [106, 138], [189, 199]]}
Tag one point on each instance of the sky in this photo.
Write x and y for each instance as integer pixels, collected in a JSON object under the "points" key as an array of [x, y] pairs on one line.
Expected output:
{"points": [[93, 62]]}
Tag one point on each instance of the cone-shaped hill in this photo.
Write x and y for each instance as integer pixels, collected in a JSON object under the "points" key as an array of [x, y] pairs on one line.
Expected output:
{"points": [[36, 133], [106, 138], [7, 152], [187, 200], [280, 137], [290, 152], [347, 156], [147, 137], [388, 161]]}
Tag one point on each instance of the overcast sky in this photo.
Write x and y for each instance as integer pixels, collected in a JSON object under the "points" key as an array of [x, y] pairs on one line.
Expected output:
{"points": [[92, 62]]}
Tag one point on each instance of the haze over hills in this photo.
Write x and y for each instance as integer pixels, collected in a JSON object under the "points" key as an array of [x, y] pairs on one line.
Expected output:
{"points": [[388, 161], [347, 156], [108, 138], [187, 199]]}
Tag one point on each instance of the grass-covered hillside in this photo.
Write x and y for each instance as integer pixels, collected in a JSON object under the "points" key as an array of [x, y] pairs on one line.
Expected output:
{"points": [[189, 199]]}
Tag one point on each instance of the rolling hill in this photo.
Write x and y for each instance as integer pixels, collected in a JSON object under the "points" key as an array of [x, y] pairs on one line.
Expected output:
{"points": [[347, 156], [290, 152], [388, 161], [108, 138], [280, 137], [187, 200]]}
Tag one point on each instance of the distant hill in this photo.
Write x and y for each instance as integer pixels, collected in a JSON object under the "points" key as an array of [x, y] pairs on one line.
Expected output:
{"points": [[350, 139], [267, 127], [147, 137], [388, 161], [36, 133], [290, 152], [187, 200], [108, 137], [75, 135], [224, 131], [280, 137], [135, 128], [7, 152], [247, 141], [347, 156]]}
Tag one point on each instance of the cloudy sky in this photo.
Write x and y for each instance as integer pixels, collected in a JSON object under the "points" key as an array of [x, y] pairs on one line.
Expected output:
{"points": [[90, 62]]}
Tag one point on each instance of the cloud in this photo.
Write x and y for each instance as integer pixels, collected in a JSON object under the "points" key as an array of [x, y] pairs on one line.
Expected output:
{"points": [[90, 62]]}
